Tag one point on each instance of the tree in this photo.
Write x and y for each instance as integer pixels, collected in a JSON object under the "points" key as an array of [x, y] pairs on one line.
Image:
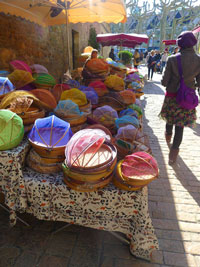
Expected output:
{"points": [[165, 7], [92, 38]]}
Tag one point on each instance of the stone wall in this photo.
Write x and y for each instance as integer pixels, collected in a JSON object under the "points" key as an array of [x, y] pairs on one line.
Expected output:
{"points": [[27, 41]]}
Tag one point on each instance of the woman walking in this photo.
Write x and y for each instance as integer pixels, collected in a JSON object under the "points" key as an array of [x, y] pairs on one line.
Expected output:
{"points": [[171, 112], [151, 63]]}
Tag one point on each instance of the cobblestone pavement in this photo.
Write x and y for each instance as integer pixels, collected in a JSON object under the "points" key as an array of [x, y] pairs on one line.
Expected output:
{"points": [[173, 203]]}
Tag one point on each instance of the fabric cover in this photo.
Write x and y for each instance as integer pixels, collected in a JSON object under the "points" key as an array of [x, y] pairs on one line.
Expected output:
{"points": [[20, 65], [5, 86], [50, 132], [129, 112], [44, 80], [128, 133], [128, 97], [73, 83], [46, 97], [20, 78], [75, 95], [127, 120], [11, 129], [87, 140], [67, 108], [139, 165], [114, 82], [4, 73], [97, 65], [58, 89], [90, 93], [105, 115], [99, 87], [37, 68], [9, 98], [136, 108]]}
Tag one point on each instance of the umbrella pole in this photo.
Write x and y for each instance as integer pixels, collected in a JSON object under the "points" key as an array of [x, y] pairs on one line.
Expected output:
{"points": [[68, 41]]}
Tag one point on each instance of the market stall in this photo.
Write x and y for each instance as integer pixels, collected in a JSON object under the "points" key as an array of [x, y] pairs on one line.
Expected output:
{"points": [[47, 197], [122, 39]]}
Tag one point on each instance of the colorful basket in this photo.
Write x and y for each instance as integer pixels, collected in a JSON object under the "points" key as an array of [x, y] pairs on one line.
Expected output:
{"points": [[49, 137]]}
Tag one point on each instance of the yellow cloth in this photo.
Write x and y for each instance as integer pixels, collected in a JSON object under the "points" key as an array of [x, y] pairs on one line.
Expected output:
{"points": [[115, 82], [74, 95], [136, 56]]}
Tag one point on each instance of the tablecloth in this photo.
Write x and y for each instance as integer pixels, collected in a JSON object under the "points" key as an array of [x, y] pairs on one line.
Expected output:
{"points": [[11, 177], [47, 197]]}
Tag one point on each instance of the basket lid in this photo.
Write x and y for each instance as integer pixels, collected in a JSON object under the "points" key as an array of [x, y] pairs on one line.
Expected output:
{"points": [[84, 143], [139, 165], [5, 86], [11, 130], [20, 65], [50, 132]]}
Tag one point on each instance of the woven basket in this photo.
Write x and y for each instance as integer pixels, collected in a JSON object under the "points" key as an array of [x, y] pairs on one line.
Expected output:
{"points": [[52, 153], [30, 117], [45, 161], [133, 181], [119, 183], [75, 121], [86, 108], [112, 102], [87, 187], [42, 167], [93, 176]]}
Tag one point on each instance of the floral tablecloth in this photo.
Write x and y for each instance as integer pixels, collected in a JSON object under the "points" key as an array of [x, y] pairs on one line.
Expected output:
{"points": [[11, 177], [47, 197]]}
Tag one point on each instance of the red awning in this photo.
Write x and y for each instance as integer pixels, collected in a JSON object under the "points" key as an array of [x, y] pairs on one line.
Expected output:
{"points": [[169, 42], [197, 29], [122, 39]]}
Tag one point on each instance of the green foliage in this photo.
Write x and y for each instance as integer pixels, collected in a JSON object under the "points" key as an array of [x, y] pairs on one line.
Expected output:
{"points": [[92, 38], [125, 56]]}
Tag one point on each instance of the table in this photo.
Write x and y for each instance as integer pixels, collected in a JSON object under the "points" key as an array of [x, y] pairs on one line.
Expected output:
{"points": [[48, 198]]}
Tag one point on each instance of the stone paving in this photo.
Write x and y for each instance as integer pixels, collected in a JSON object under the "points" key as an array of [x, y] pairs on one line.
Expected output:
{"points": [[174, 205]]}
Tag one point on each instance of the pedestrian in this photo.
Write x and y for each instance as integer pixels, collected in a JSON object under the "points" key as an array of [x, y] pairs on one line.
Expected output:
{"points": [[151, 63], [164, 59], [175, 50], [136, 59], [171, 112], [111, 54]]}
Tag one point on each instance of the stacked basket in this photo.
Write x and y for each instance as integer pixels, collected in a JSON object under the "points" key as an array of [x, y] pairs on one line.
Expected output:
{"points": [[26, 105], [90, 160], [135, 171], [48, 137]]}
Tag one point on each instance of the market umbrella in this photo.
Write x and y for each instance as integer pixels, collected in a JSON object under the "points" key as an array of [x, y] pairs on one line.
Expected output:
{"points": [[122, 39], [55, 12], [169, 42]]}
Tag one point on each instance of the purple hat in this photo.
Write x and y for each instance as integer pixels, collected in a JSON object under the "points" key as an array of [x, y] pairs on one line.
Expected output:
{"points": [[186, 39]]}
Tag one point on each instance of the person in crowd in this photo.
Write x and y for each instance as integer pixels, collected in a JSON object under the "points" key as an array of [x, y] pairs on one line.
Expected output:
{"points": [[85, 72], [176, 50], [157, 58], [141, 56], [164, 59], [136, 59], [151, 63], [171, 112], [145, 54], [111, 54]]}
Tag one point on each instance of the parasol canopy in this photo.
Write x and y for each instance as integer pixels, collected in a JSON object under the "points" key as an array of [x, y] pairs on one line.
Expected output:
{"points": [[169, 42], [53, 12], [196, 30], [122, 39]]}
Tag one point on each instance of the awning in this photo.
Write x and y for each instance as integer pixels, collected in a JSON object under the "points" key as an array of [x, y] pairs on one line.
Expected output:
{"points": [[122, 39], [169, 42]]}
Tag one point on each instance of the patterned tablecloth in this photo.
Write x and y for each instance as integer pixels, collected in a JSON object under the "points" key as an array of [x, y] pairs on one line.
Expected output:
{"points": [[48, 198]]}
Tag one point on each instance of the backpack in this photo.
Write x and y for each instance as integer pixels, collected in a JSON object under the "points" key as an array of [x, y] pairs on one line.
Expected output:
{"points": [[186, 97]]}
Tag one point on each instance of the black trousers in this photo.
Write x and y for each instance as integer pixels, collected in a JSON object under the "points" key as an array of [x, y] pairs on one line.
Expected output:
{"points": [[150, 71], [178, 135]]}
